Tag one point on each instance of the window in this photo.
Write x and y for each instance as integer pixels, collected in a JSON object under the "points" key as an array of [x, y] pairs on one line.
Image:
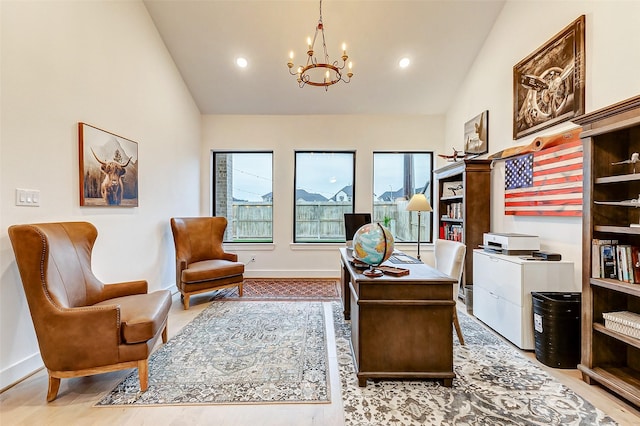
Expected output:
{"points": [[396, 177], [324, 192], [243, 193]]}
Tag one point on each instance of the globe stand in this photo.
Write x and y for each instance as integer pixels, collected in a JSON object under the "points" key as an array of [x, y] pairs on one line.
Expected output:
{"points": [[372, 272]]}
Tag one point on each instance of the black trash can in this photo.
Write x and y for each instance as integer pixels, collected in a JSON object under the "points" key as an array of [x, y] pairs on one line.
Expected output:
{"points": [[556, 327]]}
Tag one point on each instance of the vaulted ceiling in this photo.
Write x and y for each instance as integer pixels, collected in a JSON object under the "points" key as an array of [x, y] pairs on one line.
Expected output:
{"points": [[441, 38]]}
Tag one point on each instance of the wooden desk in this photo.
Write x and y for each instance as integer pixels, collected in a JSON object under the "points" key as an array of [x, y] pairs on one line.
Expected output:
{"points": [[401, 327]]}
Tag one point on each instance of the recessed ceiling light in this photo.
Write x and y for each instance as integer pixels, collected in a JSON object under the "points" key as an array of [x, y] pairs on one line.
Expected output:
{"points": [[241, 62], [404, 62]]}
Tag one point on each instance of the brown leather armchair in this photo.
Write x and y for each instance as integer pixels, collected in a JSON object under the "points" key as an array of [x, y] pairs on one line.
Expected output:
{"points": [[201, 263], [83, 326]]}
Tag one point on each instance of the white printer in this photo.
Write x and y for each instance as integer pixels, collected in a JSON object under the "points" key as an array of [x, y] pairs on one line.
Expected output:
{"points": [[515, 244]]}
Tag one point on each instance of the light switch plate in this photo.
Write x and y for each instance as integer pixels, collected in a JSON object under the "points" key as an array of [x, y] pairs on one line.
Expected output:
{"points": [[28, 197]]}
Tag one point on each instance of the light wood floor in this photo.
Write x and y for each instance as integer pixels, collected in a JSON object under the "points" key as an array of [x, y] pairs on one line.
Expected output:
{"points": [[24, 403]]}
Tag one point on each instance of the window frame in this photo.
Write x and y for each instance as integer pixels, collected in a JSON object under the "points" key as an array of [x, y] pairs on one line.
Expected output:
{"points": [[426, 219], [215, 152], [295, 186]]}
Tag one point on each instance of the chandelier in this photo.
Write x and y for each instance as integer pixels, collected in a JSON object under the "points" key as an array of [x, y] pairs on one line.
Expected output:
{"points": [[320, 73]]}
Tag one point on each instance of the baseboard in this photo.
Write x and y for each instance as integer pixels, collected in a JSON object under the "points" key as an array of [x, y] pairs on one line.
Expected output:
{"points": [[20, 371], [171, 287]]}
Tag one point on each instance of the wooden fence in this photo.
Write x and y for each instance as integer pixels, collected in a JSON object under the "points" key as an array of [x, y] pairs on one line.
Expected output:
{"points": [[320, 221]]}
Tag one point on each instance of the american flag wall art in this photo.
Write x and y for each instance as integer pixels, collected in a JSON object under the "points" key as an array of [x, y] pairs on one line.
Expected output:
{"points": [[546, 182]]}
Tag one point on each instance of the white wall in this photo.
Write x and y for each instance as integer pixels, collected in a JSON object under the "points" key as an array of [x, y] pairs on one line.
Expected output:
{"points": [[101, 62], [612, 63], [286, 134]]}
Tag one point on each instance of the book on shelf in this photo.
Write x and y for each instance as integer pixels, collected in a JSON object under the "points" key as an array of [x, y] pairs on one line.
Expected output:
{"points": [[609, 259], [596, 256], [450, 231], [621, 263], [635, 256], [608, 265]]}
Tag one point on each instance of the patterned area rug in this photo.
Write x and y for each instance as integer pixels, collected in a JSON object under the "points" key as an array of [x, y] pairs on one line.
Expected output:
{"points": [[494, 385], [238, 352], [284, 289]]}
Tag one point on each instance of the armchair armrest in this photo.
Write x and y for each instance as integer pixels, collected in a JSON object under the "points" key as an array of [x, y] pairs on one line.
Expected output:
{"points": [[181, 265], [77, 338], [110, 291], [233, 257]]}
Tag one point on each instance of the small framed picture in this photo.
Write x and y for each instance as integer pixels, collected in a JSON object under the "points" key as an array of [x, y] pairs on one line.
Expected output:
{"points": [[108, 168], [476, 134]]}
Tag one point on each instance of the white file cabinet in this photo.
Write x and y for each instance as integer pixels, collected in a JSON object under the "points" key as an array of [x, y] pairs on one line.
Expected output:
{"points": [[502, 287]]}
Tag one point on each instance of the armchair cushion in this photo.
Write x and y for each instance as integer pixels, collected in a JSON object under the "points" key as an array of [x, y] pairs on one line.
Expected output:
{"points": [[213, 269]]}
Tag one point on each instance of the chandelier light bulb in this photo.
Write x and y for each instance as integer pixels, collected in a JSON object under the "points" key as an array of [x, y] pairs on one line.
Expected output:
{"points": [[291, 55], [344, 48]]}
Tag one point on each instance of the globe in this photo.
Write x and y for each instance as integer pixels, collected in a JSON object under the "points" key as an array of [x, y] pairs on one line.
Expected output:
{"points": [[372, 244]]}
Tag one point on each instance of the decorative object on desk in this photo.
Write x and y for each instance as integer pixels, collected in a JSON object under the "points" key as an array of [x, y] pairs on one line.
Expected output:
{"points": [[323, 72], [548, 85], [476, 134], [108, 168], [392, 270], [419, 203], [547, 182], [457, 155], [635, 157], [372, 244]]}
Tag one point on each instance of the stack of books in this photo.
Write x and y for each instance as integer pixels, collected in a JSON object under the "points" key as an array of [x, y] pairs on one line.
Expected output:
{"points": [[615, 261]]}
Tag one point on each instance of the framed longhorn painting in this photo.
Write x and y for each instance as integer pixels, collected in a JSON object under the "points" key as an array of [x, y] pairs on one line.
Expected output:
{"points": [[108, 168]]}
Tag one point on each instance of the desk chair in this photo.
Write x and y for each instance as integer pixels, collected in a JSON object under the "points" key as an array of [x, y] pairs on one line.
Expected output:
{"points": [[450, 260]]}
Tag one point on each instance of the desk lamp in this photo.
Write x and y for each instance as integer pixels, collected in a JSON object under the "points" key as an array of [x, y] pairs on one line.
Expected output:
{"points": [[419, 203]]}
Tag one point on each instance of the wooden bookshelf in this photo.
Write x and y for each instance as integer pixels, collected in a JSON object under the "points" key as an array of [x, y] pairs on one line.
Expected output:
{"points": [[610, 135], [472, 217]]}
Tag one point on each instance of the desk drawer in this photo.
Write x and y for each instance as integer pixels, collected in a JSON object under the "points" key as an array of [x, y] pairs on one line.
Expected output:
{"points": [[497, 276]]}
